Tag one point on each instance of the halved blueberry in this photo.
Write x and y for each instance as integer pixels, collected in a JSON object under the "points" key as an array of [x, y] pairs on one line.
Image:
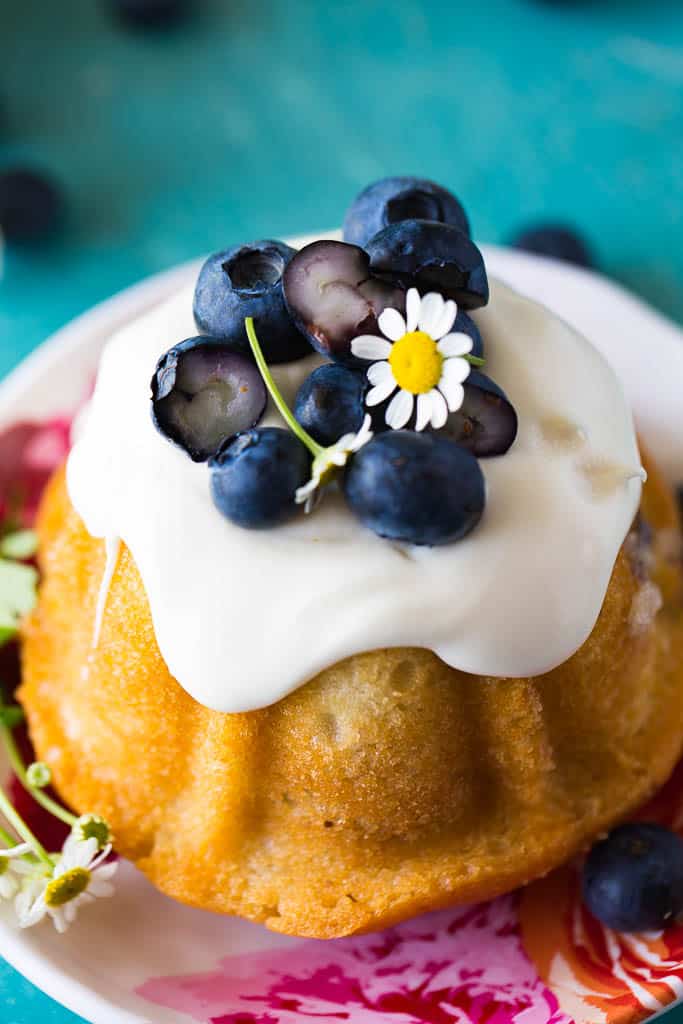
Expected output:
{"points": [[247, 281], [255, 477], [402, 198], [203, 393], [433, 257], [486, 422], [332, 296], [416, 488], [633, 879], [329, 403]]}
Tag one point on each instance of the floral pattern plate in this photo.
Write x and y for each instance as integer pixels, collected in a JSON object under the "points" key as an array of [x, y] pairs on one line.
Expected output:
{"points": [[532, 957]]}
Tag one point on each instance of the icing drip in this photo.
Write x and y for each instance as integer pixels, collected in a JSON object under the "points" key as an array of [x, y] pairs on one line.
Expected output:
{"points": [[244, 617], [112, 546]]}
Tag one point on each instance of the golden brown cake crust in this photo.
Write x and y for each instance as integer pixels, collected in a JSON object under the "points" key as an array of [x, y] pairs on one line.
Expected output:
{"points": [[388, 785]]}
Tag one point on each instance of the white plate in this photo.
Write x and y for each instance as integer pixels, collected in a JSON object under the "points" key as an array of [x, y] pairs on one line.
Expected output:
{"points": [[97, 968]]}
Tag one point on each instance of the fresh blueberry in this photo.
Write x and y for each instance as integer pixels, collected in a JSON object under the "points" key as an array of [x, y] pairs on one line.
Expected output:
{"points": [[486, 422], [417, 488], [203, 393], [633, 879], [395, 199], [332, 296], [433, 257], [557, 241], [247, 281], [329, 403], [466, 325], [150, 13], [255, 477], [30, 205]]}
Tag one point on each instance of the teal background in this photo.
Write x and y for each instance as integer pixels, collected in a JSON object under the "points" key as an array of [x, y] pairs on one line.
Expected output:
{"points": [[265, 117]]}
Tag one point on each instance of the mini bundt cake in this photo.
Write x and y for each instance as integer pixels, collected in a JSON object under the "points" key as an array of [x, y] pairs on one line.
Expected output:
{"points": [[414, 646]]}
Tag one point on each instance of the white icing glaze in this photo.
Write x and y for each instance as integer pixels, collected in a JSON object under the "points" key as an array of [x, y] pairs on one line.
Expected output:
{"points": [[242, 618]]}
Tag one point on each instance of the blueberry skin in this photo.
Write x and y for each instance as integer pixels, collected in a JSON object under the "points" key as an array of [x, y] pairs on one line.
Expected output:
{"points": [[329, 403], [392, 200], [486, 423], [31, 205], [247, 281], [466, 325], [254, 478], [155, 14], [559, 241], [204, 392], [433, 257], [416, 488], [633, 880]]}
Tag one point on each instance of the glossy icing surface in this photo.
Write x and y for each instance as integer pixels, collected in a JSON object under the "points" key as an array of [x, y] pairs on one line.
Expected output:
{"points": [[244, 617]]}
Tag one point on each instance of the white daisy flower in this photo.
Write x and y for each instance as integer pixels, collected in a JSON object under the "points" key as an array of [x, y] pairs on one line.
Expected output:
{"points": [[10, 873], [420, 357], [78, 877], [331, 459]]}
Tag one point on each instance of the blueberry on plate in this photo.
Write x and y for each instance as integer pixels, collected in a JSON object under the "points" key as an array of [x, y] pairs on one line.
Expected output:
{"points": [[30, 205], [255, 477], [203, 393], [416, 488], [150, 13], [247, 281], [433, 257], [486, 422], [391, 200], [333, 298], [633, 879], [330, 403], [559, 241]]}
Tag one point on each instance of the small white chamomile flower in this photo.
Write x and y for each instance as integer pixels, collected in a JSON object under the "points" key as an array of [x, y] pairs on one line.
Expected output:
{"points": [[419, 358], [329, 460], [78, 877], [11, 870]]}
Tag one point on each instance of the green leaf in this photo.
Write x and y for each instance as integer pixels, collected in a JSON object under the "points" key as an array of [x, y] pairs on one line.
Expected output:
{"points": [[19, 545], [17, 595]]}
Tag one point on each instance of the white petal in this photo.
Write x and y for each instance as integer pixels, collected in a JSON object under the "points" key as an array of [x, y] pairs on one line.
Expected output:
{"points": [[364, 435], [391, 324], [8, 886], [446, 320], [412, 309], [303, 493], [101, 889], [439, 409], [379, 372], [400, 410], [457, 344], [376, 395], [16, 851], [456, 370], [424, 410], [431, 308], [59, 918], [369, 346], [29, 913], [106, 871], [453, 392]]}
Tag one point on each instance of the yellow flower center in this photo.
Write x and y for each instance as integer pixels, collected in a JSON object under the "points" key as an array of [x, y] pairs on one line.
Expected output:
{"points": [[416, 362], [67, 887]]}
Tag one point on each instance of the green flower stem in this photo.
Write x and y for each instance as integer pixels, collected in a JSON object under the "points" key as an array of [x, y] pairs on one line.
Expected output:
{"points": [[314, 448], [22, 829], [475, 360], [7, 839], [38, 795]]}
